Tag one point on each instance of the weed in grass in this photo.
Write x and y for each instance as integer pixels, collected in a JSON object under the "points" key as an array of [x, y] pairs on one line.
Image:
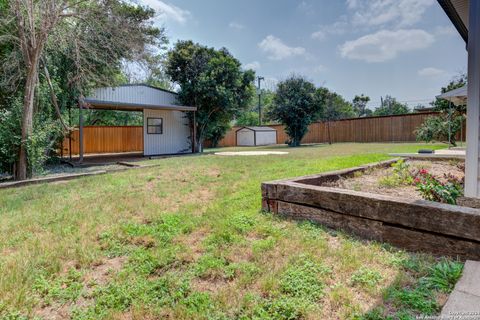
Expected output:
{"points": [[365, 278], [418, 299], [242, 223], [63, 289], [263, 245], [443, 276], [281, 308], [210, 266], [304, 279]]}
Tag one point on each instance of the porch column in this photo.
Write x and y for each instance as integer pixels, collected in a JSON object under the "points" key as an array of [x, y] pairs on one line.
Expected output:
{"points": [[80, 125], [472, 172]]}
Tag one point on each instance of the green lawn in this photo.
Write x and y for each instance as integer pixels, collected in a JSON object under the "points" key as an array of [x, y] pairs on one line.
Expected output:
{"points": [[187, 240]]}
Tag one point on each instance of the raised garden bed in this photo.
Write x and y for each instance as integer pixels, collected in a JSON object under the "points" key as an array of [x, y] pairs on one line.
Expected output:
{"points": [[404, 221]]}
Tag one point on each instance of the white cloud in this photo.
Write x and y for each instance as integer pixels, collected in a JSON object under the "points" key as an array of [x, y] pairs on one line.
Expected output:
{"points": [[339, 27], [385, 44], [168, 11], [399, 13], [431, 72], [255, 65], [236, 25], [277, 50]]}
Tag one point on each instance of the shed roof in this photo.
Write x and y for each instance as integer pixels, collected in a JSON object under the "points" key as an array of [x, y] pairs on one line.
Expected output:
{"points": [[258, 128], [134, 97]]}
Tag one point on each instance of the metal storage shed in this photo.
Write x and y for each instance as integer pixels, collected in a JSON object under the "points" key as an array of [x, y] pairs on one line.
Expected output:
{"points": [[256, 136]]}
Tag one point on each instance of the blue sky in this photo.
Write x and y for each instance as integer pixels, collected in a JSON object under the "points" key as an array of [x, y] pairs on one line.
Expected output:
{"points": [[405, 48]]}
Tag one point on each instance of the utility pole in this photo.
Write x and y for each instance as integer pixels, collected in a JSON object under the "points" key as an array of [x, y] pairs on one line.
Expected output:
{"points": [[260, 100]]}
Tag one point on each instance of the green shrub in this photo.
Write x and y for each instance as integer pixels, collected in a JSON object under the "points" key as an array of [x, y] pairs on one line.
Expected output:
{"points": [[40, 145], [10, 136], [436, 128]]}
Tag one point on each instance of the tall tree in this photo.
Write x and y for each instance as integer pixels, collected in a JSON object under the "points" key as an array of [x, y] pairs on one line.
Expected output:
{"points": [[391, 106], [91, 35], [296, 105], [213, 81], [360, 105], [335, 106]]}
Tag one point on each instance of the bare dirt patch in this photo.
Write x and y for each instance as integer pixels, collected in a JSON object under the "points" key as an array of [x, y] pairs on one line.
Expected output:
{"points": [[193, 244], [99, 275], [370, 180]]}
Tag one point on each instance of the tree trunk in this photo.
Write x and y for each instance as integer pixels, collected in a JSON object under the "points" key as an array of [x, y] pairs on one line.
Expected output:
{"points": [[27, 120]]}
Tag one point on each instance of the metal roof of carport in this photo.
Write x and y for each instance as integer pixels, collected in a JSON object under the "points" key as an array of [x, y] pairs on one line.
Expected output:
{"points": [[113, 105], [134, 97]]}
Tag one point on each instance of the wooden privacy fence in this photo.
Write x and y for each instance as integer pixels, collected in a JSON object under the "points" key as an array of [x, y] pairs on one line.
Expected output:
{"points": [[107, 139], [398, 128]]}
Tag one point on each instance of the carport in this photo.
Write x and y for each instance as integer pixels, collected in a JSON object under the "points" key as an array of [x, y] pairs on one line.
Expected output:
{"points": [[166, 127]]}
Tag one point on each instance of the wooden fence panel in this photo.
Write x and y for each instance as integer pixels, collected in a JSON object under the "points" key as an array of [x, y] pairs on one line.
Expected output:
{"points": [[399, 128], [103, 139], [107, 139]]}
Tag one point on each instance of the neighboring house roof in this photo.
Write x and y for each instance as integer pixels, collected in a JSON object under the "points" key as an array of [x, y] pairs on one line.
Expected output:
{"points": [[457, 11], [256, 128], [134, 97], [456, 96]]}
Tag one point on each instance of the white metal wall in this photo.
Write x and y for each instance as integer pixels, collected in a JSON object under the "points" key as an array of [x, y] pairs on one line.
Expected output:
{"points": [[245, 137], [266, 137], [175, 136], [137, 94]]}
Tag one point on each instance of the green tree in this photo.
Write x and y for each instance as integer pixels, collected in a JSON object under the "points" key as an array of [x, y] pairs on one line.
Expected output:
{"points": [[296, 105], [335, 107], [391, 106], [53, 51], [213, 81], [360, 105], [248, 118]]}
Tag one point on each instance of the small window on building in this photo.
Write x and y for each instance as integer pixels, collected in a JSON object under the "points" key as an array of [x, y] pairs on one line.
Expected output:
{"points": [[154, 125]]}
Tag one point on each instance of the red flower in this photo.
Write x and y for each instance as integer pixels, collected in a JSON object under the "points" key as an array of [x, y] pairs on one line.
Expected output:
{"points": [[417, 180], [423, 171]]}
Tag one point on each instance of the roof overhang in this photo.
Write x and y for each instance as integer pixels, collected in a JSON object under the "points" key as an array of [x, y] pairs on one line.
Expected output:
{"points": [[456, 96], [457, 11], [112, 105]]}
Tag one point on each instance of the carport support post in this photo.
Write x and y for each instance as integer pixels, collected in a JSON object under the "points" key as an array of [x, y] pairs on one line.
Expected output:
{"points": [[472, 188], [80, 125], [194, 132]]}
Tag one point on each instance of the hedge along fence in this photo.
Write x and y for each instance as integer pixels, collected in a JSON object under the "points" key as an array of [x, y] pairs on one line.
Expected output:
{"points": [[397, 128]]}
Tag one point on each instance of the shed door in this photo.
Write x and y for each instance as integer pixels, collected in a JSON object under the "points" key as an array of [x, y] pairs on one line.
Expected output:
{"points": [[245, 137]]}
